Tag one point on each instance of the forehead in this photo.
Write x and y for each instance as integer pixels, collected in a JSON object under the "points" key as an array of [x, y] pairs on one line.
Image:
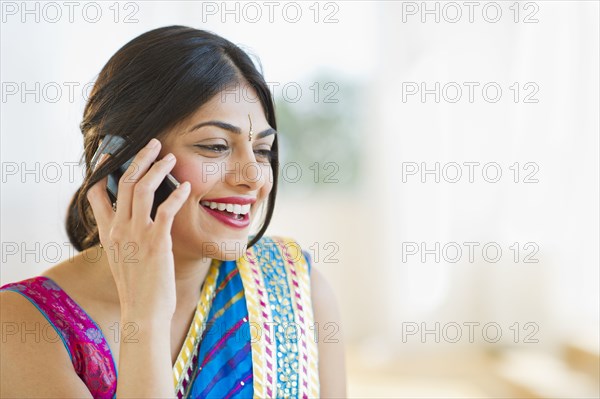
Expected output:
{"points": [[232, 105]]}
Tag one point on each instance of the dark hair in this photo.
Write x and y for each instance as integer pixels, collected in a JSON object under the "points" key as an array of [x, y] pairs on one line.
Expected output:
{"points": [[152, 83]]}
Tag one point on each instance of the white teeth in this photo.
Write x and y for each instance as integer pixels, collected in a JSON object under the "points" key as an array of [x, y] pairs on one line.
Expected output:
{"points": [[233, 208]]}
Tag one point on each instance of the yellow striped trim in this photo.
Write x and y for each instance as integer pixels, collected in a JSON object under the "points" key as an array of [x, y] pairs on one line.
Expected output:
{"points": [[184, 360], [249, 274]]}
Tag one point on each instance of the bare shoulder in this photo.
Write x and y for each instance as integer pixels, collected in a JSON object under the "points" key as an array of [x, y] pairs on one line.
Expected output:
{"points": [[82, 277], [332, 359], [69, 269], [324, 301], [322, 293], [34, 361]]}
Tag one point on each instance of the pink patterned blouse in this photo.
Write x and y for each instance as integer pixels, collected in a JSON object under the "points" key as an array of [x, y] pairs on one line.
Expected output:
{"points": [[82, 337]]}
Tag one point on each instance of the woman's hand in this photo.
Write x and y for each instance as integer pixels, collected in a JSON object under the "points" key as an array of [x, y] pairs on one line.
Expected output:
{"points": [[139, 250]]}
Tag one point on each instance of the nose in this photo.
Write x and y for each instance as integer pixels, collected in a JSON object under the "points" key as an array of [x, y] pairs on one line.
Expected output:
{"points": [[244, 170]]}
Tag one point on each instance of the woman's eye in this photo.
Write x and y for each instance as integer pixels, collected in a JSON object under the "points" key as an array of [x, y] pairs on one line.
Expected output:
{"points": [[218, 148], [264, 153]]}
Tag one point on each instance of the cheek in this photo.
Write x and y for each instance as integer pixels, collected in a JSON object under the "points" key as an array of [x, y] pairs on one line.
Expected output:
{"points": [[192, 172], [268, 182]]}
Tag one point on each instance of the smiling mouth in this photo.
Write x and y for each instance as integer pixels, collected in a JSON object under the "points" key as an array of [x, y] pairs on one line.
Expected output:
{"points": [[234, 212]]}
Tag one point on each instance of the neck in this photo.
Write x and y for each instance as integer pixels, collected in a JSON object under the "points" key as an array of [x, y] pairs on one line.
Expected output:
{"points": [[190, 273]]}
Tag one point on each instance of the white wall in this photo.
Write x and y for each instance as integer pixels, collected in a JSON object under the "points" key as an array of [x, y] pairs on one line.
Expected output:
{"points": [[371, 44]]}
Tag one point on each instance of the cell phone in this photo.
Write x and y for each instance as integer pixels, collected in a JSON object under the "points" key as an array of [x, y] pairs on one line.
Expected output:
{"points": [[110, 145]]}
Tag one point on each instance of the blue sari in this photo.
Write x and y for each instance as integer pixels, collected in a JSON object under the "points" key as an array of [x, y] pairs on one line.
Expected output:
{"points": [[256, 340]]}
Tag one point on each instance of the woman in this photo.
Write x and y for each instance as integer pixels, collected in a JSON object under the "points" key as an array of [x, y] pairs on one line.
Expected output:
{"points": [[176, 304]]}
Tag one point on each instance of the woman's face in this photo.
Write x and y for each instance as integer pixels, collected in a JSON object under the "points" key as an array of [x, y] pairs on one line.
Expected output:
{"points": [[225, 169]]}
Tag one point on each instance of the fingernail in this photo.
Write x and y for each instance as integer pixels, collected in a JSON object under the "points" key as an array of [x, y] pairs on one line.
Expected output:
{"points": [[152, 143], [169, 157], [184, 186]]}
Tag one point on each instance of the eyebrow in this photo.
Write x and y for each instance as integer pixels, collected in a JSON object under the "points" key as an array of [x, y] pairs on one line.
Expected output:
{"points": [[231, 128]]}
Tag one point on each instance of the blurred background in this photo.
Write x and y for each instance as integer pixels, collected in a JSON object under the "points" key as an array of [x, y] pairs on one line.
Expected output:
{"points": [[439, 162]]}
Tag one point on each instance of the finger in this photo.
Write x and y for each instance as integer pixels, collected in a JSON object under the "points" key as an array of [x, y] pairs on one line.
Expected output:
{"points": [[165, 213], [143, 193], [98, 198], [101, 205], [140, 164]]}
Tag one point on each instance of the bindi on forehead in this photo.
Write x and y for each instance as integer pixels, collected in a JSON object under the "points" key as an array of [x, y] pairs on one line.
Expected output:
{"points": [[250, 132]]}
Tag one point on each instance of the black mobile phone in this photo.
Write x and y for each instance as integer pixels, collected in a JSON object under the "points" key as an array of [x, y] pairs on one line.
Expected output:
{"points": [[110, 145]]}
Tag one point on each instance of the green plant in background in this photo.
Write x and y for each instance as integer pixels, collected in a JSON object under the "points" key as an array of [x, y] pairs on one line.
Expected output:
{"points": [[320, 130]]}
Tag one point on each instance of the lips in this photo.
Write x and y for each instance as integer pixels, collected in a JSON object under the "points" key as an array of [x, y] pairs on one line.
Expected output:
{"points": [[231, 211], [231, 208]]}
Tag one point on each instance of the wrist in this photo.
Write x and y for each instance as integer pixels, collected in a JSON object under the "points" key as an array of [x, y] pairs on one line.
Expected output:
{"points": [[146, 321], [145, 332]]}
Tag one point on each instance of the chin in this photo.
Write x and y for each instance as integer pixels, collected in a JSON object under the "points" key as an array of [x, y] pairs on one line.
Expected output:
{"points": [[215, 240], [224, 249]]}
